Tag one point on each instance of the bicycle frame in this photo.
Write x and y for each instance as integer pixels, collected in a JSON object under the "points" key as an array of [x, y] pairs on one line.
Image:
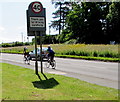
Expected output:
{"points": [[50, 63]]}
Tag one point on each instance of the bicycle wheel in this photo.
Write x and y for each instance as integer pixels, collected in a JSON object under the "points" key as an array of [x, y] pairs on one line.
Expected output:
{"points": [[28, 60], [24, 59], [47, 64], [53, 64]]}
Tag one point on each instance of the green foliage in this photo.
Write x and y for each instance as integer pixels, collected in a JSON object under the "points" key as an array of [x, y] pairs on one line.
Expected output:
{"points": [[6, 45], [72, 41], [47, 39], [13, 44], [113, 19], [82, 20], [92, 23], [99, 51], [93, 54], [16, 50], [60, 14], [109, 51]]}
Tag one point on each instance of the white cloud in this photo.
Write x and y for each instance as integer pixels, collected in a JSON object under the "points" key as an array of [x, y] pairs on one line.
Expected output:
{"points": [[2, 29], [10, 34], [22, 28], [2, 33]]}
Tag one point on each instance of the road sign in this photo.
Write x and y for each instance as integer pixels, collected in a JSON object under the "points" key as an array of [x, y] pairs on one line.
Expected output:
{"points": [[36, 26], [37, 7], [36, 19]]}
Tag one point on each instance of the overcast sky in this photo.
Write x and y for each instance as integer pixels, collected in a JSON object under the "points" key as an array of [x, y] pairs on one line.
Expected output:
{"points": [[13, 22]]}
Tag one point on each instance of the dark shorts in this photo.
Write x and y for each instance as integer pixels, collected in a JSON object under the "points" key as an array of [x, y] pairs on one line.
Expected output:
{"points": [[26, 54], [51, 55]]}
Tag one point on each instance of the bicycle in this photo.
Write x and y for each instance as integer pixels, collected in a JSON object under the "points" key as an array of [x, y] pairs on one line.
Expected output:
{"points": [[26, 59], [50, 63]]}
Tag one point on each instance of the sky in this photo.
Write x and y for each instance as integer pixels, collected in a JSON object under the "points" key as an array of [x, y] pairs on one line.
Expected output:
{"points": [[13, 22]]}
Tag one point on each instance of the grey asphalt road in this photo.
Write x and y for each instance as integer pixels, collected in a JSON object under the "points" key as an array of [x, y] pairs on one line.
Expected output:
{"points": [[97, 72]]}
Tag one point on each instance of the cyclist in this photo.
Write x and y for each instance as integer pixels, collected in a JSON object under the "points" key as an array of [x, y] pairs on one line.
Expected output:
{"points": [[25, 51], [26, 55], [51, 53]]}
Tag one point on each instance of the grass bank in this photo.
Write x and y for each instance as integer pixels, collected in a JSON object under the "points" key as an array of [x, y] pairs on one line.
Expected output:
{"points": [[20, 83], [110, 51], [82, 51], [0, 82]]}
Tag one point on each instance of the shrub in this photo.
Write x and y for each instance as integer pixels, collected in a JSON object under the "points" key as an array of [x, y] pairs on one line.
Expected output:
{"points": [[95, 54], [72, 41]]}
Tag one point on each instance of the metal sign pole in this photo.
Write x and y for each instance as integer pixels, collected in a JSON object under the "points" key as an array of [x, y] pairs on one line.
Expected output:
{"points": [[41, 52], [36, 63]]}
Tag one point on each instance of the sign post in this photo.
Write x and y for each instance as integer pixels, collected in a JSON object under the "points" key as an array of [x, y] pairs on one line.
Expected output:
{"points": [[41, 52], [36, 63], [36, 26]]}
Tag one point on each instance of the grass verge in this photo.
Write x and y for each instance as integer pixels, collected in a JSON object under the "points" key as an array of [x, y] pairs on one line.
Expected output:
{"points": [[80, 51], [90, 58], [20, 83], [0, 82]]}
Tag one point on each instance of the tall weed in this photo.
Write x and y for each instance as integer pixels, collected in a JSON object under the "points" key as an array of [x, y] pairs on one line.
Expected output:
{"points": [[110, 51]]}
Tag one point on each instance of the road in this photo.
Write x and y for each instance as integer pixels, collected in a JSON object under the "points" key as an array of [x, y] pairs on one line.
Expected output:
{"points": [[97, 72]]}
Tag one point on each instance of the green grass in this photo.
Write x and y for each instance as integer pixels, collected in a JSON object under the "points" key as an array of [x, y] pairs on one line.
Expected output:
{"points": [[83, 51], [90, 58], [20, 83], [110, 51], [16, 50], [0, 81]]}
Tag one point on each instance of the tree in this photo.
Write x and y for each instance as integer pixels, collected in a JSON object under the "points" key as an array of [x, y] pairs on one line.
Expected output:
{"points": [[60, 15], [94, 33], [87, 21], [47, 39], [92, 22], [113, 19]]}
